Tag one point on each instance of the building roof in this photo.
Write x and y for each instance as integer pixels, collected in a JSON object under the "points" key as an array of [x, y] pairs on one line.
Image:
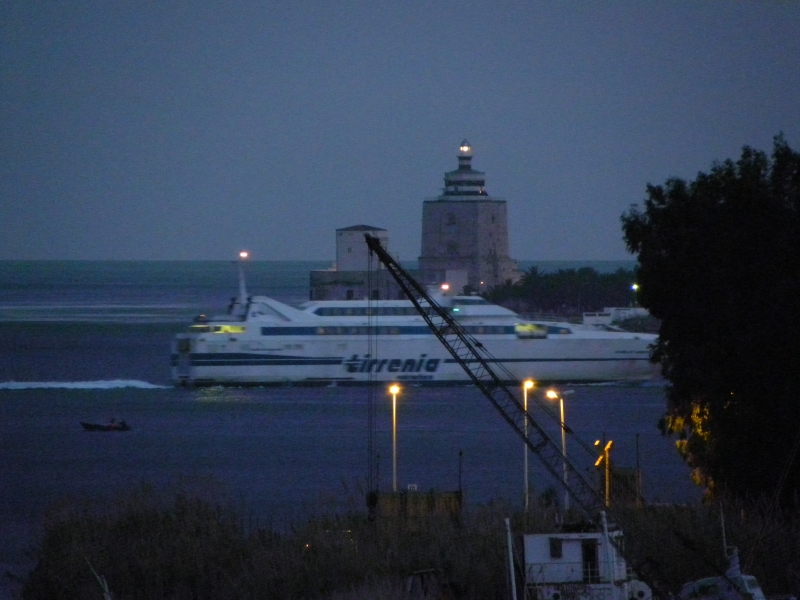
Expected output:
{"points": [[361, 228]]}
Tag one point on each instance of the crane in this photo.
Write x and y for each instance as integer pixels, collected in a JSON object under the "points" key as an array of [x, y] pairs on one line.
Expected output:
{"points": [[490, 377]]}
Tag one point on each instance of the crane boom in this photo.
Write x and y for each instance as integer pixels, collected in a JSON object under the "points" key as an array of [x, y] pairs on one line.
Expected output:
{"points": [[482, 369]]}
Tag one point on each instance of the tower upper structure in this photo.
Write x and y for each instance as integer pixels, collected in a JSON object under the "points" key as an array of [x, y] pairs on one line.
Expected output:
{"points": [[465, 229], [465, 181]]}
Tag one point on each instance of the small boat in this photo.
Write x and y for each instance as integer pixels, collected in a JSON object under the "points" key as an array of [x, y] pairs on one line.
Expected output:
{"points": [[112, 426], [733, 585]]}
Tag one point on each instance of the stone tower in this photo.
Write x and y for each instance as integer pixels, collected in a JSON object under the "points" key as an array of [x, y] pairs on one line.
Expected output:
{"points": [[465, 229]]}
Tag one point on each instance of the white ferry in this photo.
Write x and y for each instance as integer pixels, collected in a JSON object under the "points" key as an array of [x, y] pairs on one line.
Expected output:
{"points": [[265, 342]]}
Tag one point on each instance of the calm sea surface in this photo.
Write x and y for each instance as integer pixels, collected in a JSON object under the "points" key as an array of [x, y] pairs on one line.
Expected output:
{"points": [[89, 341]]}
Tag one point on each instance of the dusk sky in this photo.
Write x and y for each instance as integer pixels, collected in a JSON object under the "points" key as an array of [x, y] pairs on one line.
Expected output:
{"points": [[189, 130]]}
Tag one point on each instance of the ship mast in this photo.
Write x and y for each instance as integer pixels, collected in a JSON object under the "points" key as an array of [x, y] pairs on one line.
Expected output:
{"points": [[243, 255]]}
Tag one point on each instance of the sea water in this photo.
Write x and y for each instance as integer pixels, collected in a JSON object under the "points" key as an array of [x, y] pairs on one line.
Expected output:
{"points": [[90, 342]]}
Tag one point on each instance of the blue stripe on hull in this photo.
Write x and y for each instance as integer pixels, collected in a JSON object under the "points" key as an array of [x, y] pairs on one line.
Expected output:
{"points": [[245, 359]]}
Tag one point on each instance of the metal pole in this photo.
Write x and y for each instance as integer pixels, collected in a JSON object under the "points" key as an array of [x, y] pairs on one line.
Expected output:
{"points": [[394, 441], [525, 448], [511, 579], [607, 452], [526, 385], [564, 452]]}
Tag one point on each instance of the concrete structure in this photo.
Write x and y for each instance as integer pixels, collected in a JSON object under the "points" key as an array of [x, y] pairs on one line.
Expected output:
{"points": [[466, 229], [352, 253], [350, 278]]}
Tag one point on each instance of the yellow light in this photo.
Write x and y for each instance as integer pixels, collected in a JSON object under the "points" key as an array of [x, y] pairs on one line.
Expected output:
{"points": [[445, 287], [394, 389], [228, 329], [552, 394], [244, 254], [528, 384]]}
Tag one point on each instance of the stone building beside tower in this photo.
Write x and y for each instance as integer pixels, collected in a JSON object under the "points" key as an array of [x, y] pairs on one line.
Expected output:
{"points": [[466, 230]]}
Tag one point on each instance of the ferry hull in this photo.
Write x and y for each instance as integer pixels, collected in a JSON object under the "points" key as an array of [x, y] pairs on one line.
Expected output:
{"points": [[411, 361]]}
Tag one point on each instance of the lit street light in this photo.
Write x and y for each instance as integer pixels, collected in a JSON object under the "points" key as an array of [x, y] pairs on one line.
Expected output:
{"points": [[527, 385], [553, 395], [635, 288], [393, 390]]}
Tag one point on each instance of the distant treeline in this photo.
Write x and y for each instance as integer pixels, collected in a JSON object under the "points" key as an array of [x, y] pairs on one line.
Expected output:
{"points": [[566, 291]]}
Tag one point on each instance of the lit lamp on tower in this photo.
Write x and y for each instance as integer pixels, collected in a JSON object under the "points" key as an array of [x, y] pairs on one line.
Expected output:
{"points": [[526, 385]]}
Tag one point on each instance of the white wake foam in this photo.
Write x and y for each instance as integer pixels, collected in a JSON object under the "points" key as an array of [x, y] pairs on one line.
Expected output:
{"points": [[79, 385]]}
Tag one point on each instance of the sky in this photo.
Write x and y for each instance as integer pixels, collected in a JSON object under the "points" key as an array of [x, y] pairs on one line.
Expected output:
{"points": [[191, 130]]}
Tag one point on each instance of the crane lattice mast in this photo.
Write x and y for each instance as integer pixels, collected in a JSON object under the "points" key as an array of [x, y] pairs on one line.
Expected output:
{"points": [[483, 370]]}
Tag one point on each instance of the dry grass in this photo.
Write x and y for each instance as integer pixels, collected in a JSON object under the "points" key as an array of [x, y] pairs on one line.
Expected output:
{"points": [[156, 546]]}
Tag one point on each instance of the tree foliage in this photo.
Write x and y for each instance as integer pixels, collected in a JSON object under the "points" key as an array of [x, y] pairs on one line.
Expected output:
{"points": [[566, 291], [719, 265]]}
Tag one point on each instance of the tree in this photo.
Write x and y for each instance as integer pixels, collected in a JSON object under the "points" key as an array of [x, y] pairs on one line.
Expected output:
{"points": [[566, 291], [719, 265]]}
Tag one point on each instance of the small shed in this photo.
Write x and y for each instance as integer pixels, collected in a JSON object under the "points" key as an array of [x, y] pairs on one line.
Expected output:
{"points": [[580, 565]]}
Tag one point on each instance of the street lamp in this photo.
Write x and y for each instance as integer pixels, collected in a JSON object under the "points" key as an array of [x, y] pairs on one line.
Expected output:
{"points": [[605, 458], [394, 389], [526, 385], [553, 395], [635, 288]]}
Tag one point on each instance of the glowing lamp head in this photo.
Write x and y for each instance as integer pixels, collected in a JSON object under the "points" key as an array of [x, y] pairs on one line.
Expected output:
{"points": [[552, 394], [244, 254], [445, 287], [394, 389], [635, 287], [528, 384], [465, 148]]}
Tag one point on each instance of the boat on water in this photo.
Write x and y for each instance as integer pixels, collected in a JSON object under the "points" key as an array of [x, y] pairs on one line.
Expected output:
{"points": [[112, 426], [261, 341], [733, 585]]}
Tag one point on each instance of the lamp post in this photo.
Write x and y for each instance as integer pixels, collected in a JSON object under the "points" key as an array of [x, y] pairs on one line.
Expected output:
{"points": [[526, 385], [605, 458], [635, 288], [553, 395], [394, 389]]}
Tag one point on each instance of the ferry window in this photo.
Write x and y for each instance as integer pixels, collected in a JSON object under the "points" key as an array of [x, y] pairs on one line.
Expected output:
{"points": [[556, 548], [551, 329]]}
